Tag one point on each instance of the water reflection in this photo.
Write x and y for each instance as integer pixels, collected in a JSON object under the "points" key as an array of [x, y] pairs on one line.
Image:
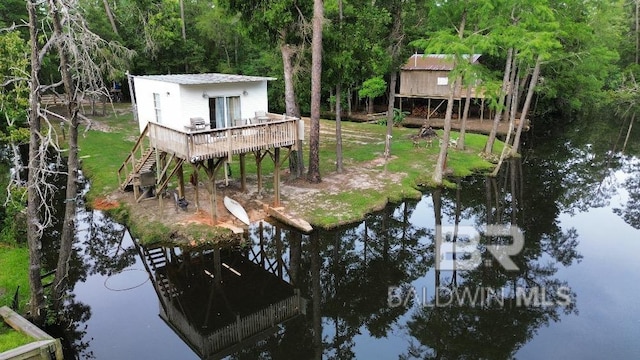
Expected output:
{"points": [[326, 295], [490, 312], [220, 300]]}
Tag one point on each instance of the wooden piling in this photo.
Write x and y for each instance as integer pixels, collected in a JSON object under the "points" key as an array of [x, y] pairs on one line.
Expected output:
{"points": [[276, 176], [243, 174]]}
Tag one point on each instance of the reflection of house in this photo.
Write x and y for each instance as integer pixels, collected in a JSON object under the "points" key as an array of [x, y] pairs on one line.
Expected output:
{"points": [[219, 301], [427, 76], [202, 120]]}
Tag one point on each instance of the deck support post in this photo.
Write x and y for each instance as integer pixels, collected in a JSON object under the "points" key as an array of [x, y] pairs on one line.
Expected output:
{"points": [[214, 200], [180, 181], [259, 157], [194, 181], [276, 177], [211, 169], [160, 162], [428, 109], [243, 174]]}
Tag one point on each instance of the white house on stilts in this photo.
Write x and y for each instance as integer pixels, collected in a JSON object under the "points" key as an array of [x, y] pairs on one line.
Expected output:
{"points": [[203, 120]]}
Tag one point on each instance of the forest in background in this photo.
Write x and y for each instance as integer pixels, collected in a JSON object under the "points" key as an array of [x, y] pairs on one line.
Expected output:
{"points": [[579, 57], [590, 48]]}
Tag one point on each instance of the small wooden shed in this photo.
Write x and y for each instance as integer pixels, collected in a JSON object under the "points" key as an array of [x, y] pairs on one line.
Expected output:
{"points": [[427, 76]]}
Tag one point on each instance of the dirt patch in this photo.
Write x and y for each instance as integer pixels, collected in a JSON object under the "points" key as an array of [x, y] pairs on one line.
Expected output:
{"points": [[105, 204]]}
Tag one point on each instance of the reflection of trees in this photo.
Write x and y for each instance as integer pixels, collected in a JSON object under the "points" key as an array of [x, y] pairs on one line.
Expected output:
{"points": [[103, 245], [346, 274], [360, 265], [489, 312], [71, 329], [630, 212]]}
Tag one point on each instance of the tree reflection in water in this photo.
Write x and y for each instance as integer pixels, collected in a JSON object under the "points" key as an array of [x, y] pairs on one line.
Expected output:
{"points": [[489, 312]]}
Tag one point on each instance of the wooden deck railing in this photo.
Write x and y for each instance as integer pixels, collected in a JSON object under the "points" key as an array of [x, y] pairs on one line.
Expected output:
{"points": [[201, 145], [245, 327]]}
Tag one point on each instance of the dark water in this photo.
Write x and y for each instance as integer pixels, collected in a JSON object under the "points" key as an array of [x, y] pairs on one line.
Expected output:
{"points": [[372, 290]]}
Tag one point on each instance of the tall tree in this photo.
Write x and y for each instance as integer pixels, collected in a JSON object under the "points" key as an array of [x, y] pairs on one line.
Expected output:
{"points": [[282, 23], [85, 60], [36, 193], [316, 88]]}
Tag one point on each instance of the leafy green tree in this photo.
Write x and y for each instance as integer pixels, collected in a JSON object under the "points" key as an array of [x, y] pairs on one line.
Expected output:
{"points": [[12, 12], [371, 89], [14, 92]]}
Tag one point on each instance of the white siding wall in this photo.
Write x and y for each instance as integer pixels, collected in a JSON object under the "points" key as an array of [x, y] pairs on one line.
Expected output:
{"points": [[169, 101], [179, 103]]}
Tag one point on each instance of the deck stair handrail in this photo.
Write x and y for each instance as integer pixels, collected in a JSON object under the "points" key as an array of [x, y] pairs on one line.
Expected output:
{"points": [[140, 159]]}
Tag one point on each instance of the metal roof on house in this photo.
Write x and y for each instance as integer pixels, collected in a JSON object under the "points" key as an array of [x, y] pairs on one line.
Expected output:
{"points": [[200, 79], [442, 62]]}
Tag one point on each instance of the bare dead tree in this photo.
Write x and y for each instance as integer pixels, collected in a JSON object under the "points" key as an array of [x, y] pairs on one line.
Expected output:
{"points": [[84, 59]]}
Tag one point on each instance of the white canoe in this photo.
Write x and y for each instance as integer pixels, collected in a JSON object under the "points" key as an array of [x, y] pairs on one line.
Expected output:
{"points": [[236, 209]]}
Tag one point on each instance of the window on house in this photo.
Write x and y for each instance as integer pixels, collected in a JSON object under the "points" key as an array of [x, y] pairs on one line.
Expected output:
{"points": [[156, 106], [443, 81]]}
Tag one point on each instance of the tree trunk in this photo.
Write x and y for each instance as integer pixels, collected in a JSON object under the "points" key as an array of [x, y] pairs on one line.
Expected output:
{"points": [[503, 91], [112, 21], [390, 107], [525, 107], [444, 144], [296, 162], [184, 26], [316, 76], [349, 105], [465, 115], [512, 116], [68, 227], [34, 202], [339, 168]]}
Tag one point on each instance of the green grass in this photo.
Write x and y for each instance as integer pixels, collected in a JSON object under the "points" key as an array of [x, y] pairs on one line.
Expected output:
{"points": [[415, 163], [11, 339], [14, 260]]}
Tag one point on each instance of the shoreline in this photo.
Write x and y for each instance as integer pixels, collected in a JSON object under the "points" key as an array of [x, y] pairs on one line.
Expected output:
{"points": [[367, 185]]}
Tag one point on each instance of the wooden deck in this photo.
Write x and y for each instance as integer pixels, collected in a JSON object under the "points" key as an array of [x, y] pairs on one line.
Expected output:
{"points": [[194, 146]]}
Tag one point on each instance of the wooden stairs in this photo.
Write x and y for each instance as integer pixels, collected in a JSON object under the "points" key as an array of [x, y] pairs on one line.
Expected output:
{"points": [[140, 169]]}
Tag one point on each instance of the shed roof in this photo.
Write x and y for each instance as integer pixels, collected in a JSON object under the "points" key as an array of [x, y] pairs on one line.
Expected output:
{"points": [[199, 79], [434, 61]]}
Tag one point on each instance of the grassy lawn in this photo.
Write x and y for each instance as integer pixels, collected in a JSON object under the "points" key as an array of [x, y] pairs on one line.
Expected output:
{"points": [[11, 339], [364, 143], [13, 264]]}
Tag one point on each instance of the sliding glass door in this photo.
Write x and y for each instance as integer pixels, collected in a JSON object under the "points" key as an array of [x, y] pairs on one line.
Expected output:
{"points": [[224, 111]]}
